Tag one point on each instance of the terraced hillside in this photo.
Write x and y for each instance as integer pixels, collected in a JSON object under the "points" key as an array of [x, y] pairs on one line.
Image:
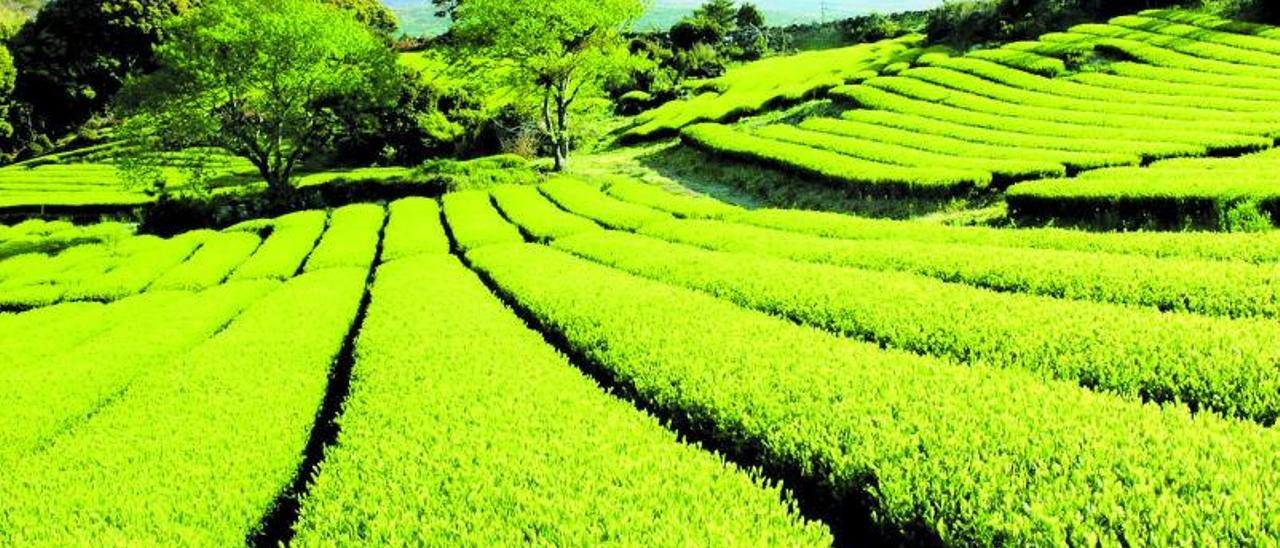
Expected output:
{"points": [[106, 179], [759, 86], [492, 368], [1140, 89], [90, 179]]}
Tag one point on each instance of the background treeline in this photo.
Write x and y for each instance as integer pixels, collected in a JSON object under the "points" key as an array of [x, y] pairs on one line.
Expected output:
{"points": [[64, 61], [972, 22]]}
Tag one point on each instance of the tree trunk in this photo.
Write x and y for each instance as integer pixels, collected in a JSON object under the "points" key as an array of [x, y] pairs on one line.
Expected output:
{"points": [[560, 140], [277, 183], [562, 155]]}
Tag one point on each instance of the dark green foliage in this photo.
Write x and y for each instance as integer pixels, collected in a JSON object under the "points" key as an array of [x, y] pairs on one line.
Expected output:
{"points": [[7, 75], [981, 21], [373, 13], [969, 22], [268, 83], [75, 54], [408, 131]]}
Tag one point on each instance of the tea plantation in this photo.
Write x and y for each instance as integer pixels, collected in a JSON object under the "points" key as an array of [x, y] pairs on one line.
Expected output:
{"points": [[598, 359]]}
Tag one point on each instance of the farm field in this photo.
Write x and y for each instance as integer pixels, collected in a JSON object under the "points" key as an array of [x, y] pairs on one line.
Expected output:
{"points": [[1080, 113], [898, 293], [576, 280]]}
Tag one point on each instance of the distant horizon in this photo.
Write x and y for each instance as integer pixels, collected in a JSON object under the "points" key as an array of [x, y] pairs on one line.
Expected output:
{"points": [[416, 15]]}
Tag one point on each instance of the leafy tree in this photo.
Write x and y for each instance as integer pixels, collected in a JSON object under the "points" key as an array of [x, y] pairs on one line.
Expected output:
{"points": [[446, 8], [75, 54], [373, 13], [749, 16], [263, 80], [565, 50], [749, 33], [721, 14], [7, 76]]}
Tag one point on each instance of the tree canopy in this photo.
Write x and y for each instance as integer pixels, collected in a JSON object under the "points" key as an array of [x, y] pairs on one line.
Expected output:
{"points": [[263, 80], [7, 76], [75, 54], [563, 49], [373, 13]]}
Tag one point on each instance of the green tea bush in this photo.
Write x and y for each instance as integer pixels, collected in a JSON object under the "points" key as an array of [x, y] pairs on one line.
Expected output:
{"points": [[280, 257], [413, 228], [1208, 363], [1214, 288], [580, 197], [541, 453], [1148, 80], [536, 215], [1260, 248], [927, 451], [351, 240], [682, 206], [1009, 129], [1063, 122], [474, 222], [197, 449], [1205, 104], [843, 171], [140, 334], [1167, 195], [770, 83], [220, 255], [1003, 170], [950, 148]]}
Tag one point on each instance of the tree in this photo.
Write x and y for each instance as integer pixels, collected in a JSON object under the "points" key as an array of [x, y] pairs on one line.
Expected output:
{"points": [[447, 9], [749, 16], [75, 54], [7, 76], [373, 13], [720, 13], [564, 49], [263, 80]]}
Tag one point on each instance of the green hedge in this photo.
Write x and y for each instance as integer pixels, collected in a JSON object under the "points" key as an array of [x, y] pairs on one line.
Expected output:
{"points": [[1232, 367], [536, 215], [927, 451], [1001, 171], [351, 240], [292, 239], [1208, 287], [955, 147], [470, 430], [1005, 129], [197, 450], [863, 176], [414, 227], [474, 222]]}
